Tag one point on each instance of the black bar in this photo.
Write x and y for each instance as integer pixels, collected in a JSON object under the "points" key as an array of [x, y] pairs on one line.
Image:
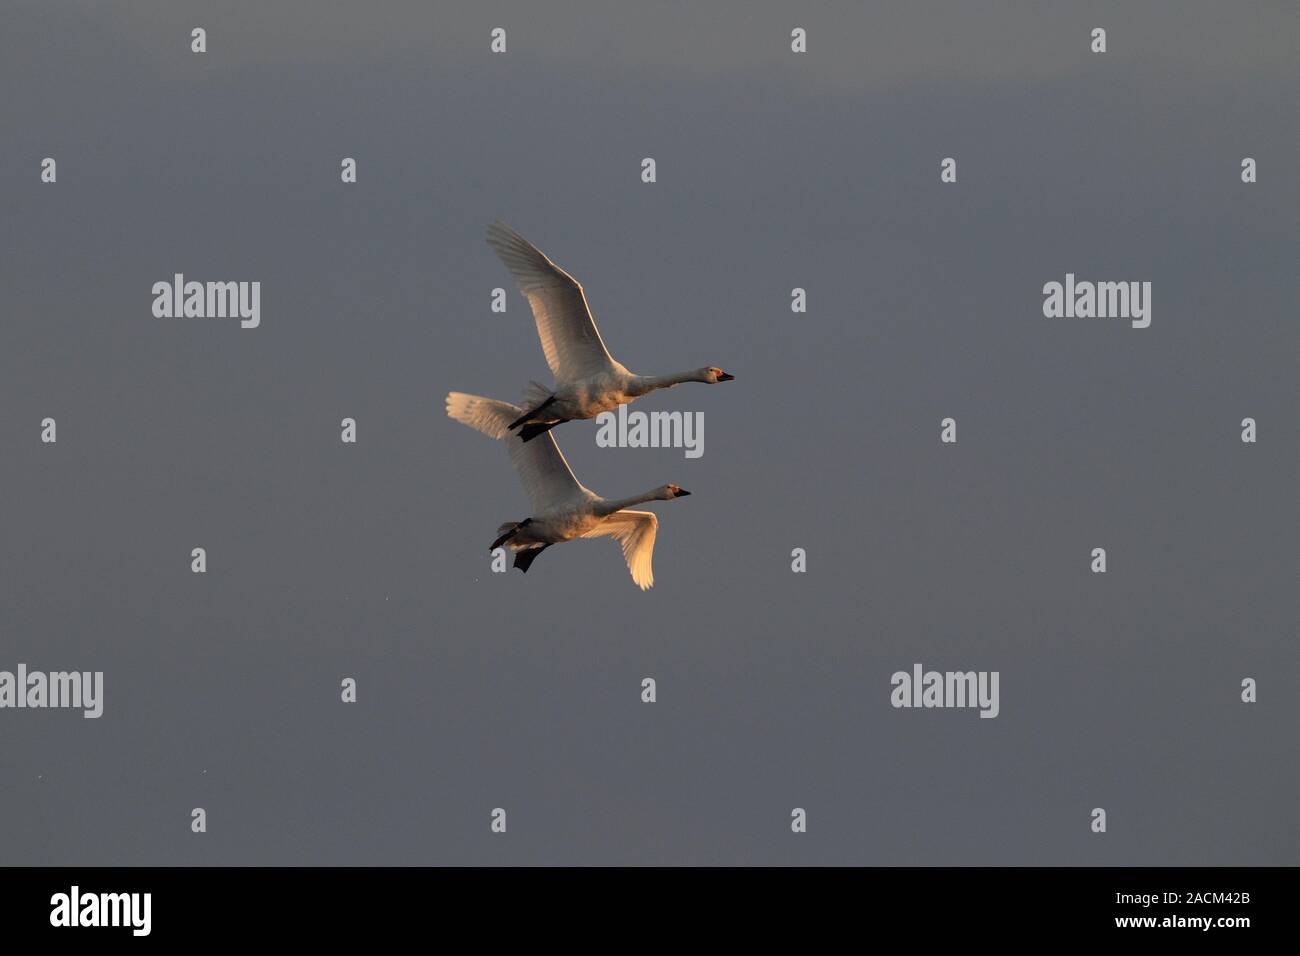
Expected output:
{"points": [[369, 904]]}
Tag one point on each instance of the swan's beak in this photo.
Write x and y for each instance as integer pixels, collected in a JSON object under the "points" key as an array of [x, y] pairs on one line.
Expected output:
{"points": [[724, 377], [681, 493]]}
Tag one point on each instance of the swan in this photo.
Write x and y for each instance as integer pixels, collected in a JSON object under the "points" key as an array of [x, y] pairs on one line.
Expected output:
{"points": [[562, 508], [588, 380]]}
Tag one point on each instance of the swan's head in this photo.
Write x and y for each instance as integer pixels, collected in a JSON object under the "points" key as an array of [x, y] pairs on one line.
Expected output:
{"points": [[713, 375], [668, 492]]}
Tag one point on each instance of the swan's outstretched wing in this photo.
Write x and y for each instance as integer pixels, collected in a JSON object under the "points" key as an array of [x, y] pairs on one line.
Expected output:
{"points": [[635, 531], [546, 476], [572, 345]]}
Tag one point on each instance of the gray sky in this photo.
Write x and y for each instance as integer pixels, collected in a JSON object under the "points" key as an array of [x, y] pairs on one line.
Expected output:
{"points": [[479, 690]]}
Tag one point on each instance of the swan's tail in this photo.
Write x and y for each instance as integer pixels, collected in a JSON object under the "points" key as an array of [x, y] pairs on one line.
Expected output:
{"points": [[537, 399], [534, 394], [508, 531]]}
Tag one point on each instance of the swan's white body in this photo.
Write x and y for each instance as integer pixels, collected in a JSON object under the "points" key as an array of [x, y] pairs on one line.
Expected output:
{"points": [[588, 380], [562, 508]]}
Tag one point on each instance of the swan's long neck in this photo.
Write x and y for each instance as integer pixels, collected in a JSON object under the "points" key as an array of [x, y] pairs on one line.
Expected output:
{"points": [[610, 505], [648, 383]]}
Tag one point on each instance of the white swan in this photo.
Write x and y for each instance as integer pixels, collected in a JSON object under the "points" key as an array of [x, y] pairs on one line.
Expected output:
{"points": [[588, 380], [562, 508]]}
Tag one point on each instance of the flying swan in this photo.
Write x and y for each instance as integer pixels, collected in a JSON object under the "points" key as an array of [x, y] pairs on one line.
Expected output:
{"points": [[588, 380], [562, 508]]}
